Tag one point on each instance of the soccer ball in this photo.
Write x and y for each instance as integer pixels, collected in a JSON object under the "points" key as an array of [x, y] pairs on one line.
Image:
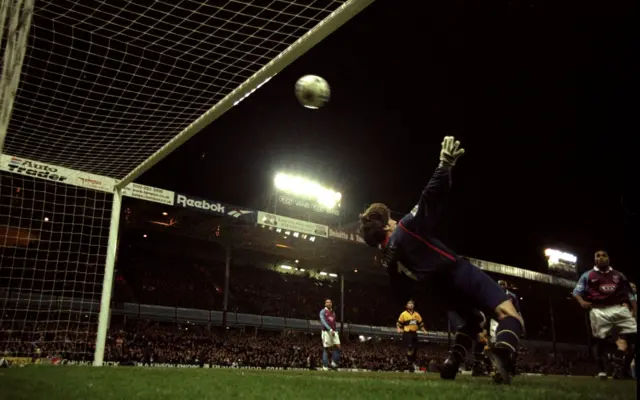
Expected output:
{"points": [[312, 91]]}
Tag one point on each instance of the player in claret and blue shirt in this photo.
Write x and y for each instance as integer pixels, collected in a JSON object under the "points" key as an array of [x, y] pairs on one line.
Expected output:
{"points": [[410, 251], [330, 338], [608, 296]]}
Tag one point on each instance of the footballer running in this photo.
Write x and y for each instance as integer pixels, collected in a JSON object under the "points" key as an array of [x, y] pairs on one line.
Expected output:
{"points": [[410, 251]]}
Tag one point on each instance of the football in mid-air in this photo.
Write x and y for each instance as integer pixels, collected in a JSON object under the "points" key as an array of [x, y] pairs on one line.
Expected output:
{"points": [[312, 91]]}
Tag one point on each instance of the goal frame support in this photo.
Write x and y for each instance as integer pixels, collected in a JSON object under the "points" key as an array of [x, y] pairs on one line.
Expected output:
{"points": [[107, 285], [327, 26], [19, 14]]}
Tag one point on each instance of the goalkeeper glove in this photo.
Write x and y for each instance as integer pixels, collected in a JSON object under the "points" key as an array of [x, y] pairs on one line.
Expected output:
{"points": [[450, 151]]}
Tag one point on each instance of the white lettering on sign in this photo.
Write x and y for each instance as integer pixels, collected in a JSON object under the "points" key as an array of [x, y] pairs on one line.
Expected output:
{"points": [[55, 173], [149, 193], [292, 224], [184, 201]]}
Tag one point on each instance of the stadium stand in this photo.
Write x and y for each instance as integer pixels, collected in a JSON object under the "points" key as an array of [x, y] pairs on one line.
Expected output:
{"points": [[182, 268]]}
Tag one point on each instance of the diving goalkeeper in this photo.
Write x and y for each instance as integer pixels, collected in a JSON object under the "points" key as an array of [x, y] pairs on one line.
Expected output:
{"points": [[411, 252]]}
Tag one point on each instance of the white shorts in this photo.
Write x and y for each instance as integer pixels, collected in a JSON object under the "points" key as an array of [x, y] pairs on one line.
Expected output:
{"points": [[493, 327], [604, 320], [329, 340]]}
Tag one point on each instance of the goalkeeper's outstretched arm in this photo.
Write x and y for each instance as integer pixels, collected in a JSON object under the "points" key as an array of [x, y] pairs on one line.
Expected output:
{"points": [[433, 196]]}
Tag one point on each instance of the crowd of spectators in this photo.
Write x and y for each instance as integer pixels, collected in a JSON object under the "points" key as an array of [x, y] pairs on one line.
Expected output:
{"points": [[47, 335], [152, 342]]}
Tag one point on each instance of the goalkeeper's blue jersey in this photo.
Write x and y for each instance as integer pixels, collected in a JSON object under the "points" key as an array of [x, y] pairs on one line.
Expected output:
{"points": [[411, 249]]}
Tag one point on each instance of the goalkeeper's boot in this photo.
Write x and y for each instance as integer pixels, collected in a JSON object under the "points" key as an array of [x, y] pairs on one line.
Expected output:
{"points": [[451, 366], [502, 363]]}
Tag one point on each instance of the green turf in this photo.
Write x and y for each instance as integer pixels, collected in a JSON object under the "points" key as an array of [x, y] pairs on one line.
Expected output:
{"points": [[87, 383]]}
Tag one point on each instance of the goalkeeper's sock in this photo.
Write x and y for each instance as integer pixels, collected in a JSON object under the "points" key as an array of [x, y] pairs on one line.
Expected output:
{"points": [[325, 357], [508, 333]]}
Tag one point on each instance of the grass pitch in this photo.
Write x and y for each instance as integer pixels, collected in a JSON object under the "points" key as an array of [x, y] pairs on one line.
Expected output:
{"points": [[87, 383]]}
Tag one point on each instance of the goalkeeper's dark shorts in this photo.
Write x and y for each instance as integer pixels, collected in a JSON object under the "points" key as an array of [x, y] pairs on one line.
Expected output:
{"points": [[467, 291]]}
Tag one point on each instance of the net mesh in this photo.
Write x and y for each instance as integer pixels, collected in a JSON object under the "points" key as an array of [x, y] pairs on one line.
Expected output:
{"points": [[105, 84], [53, 242]]}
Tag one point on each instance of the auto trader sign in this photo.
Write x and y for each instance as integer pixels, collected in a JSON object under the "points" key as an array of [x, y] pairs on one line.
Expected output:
{"points": [[31, 168], [55, 173]]}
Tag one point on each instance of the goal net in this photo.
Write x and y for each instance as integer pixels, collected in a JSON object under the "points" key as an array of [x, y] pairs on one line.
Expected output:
{"points": [[110, 88], [105, 85], [53, 241]]}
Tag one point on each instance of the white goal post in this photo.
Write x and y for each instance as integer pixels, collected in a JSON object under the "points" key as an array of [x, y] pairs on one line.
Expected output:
{"points": [[95, 93]]}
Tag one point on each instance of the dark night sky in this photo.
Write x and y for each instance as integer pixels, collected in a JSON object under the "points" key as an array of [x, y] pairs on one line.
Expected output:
{"points": [[542, 98]]}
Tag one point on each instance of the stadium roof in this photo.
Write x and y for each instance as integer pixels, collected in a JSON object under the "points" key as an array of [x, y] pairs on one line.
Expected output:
{"points": [[329, 255], [104, 85], [324, 254]]}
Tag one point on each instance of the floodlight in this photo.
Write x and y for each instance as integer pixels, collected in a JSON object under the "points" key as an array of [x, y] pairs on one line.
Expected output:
{"points": [[334, 275], [557, 255], [286, 267], [303, 187]]}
